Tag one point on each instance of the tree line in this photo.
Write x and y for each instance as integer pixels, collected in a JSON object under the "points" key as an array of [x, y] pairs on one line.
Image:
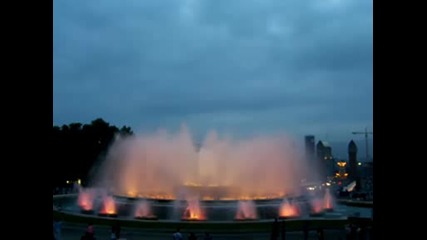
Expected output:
{"points": [[77, 147]]}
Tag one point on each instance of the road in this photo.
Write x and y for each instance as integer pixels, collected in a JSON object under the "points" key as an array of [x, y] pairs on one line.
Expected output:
{"points": [[73, 231]]}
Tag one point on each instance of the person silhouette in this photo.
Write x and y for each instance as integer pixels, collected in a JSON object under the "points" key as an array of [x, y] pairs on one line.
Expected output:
{"points": [[57, 226], [192, 236], [177, 235], [207, 236]]}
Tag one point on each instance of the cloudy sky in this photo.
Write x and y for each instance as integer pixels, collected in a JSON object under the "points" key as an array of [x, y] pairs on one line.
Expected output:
{"points": [[242, 67]]}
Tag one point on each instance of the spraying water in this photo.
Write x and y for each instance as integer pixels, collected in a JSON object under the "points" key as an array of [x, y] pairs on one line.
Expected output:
{"points": [[86, 199], [143, 210], [316, 206], [108, 206], [162, 164], [193, 211], [328, 201], [288, 209], [246, 210]]}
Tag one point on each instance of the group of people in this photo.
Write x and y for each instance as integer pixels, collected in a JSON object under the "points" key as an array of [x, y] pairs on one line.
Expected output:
{"points": [[352, 231], [115, 231], [279, 229], [90, 233], [178, 236], [57, 225]]}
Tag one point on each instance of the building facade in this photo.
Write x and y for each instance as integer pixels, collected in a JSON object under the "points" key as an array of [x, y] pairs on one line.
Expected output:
{"points": [[310, 147], [325, 159], [352, 160]]}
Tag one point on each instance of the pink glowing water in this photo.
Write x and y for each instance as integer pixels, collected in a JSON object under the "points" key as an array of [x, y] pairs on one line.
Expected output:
{"points": [[85, 199], [246, 210], [288, 209], [108, 206], [317, 205], [328, 201], [143, 210], [154, 165], [193, 210]]}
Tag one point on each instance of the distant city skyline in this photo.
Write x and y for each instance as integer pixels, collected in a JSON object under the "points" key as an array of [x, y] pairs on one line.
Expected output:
{"points": [[238, 67], [340, 149]]}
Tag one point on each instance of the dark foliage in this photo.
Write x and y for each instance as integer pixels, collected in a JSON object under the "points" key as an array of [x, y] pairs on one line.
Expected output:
{"points": [[76, 147]]}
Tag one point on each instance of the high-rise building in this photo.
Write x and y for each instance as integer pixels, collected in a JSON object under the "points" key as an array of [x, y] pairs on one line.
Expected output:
{"points": [[352, 160], [325, 159], [309, 147]]}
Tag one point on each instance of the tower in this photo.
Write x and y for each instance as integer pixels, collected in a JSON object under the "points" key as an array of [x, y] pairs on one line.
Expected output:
{"points": [[309, 147], [352, 160], [325, 160]]}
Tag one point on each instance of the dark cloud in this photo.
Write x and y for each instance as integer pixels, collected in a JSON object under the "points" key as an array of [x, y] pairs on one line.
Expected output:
{"points": [[303, 67]]}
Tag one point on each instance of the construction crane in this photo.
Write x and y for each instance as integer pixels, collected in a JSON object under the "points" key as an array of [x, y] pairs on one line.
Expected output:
{"points": [[366, 133]]}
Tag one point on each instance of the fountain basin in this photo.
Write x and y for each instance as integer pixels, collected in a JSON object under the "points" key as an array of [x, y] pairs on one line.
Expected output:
{"points": [[87, 211], [112, 215], [147, 218]]}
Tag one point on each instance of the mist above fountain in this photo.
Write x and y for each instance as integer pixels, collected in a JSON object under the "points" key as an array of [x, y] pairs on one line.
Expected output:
{"points": [[288, 209], [246, 210], [108, 207], [317, 206], [193, 211], [161, 165], [320, 205], [328, 201], [86, 200], [143, 210]]}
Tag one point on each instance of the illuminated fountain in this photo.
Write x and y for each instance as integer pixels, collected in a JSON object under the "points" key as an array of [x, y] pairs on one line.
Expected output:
{"points": [[168, 177], [328, 201], [193, 211], [246, 210], [161, 165], [108, 207], [317, 206], [288, 209], [143, 211], [86, 200]]}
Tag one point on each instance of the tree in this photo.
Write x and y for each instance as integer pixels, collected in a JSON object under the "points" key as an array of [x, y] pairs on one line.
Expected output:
{"points": [[126, 131], [76, 147]]}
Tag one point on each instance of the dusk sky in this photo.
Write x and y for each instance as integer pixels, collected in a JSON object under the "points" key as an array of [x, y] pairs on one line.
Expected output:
{"points": [[241, 67]]}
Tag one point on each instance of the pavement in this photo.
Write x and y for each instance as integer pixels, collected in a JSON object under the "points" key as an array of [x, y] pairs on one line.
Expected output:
{"points": [[73, 231]]}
